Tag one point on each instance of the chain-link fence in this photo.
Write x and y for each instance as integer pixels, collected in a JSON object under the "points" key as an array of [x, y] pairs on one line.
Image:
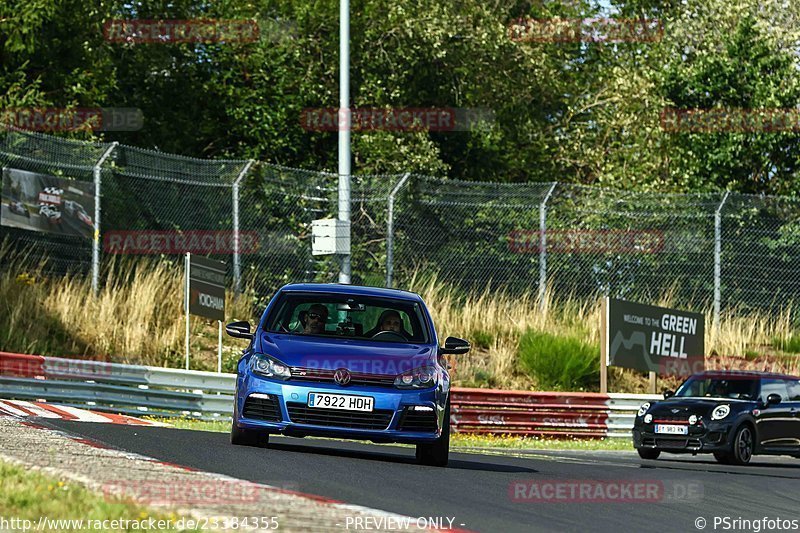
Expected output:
{"points": [[729, 251]]}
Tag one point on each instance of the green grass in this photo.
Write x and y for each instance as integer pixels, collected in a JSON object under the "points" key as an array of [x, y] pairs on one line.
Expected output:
{"points": [[457, 440], [789, 344], [559, 362], [30, 495]]}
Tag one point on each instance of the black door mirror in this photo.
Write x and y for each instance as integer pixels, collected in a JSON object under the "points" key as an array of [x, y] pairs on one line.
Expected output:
{"points": [[668, 394], [773, 399], [239, 329], [454, 345]]}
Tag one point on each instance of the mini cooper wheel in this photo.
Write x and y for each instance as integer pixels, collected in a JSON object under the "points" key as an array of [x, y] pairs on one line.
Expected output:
{"points": [[743, 444], [648, 453], [437, 453], [248, 437]]}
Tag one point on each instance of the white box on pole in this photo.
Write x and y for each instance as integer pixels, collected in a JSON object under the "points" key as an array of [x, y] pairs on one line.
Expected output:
{"points": [[330, 236]]}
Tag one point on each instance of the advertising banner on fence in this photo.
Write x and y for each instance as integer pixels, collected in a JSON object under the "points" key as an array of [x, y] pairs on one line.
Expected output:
{"points": [[45, 203], [655, 339]]}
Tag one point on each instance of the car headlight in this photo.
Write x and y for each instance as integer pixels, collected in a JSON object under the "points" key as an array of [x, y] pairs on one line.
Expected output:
{"points": [[648, 418], [643, 409], [692, 420], [419, 378], [265, 365], [720, 412]]}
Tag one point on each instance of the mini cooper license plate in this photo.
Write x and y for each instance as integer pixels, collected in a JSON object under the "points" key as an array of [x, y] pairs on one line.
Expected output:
{"points": [[340, 401], [669, 429]]}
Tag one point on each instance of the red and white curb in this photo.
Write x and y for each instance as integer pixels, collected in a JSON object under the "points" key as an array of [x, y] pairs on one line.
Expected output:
{"points": [[23, 409]]}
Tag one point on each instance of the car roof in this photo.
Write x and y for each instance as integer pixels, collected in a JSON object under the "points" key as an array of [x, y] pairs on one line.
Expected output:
{"points": [[743, 374], [355, 290]]}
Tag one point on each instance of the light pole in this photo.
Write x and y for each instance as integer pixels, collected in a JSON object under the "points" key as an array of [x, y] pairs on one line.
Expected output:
{"points": [[344, 129]]}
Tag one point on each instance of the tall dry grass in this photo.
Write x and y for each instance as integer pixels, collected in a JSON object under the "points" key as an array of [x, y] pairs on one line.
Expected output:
{"points": [[137, 316], [741, 342]]}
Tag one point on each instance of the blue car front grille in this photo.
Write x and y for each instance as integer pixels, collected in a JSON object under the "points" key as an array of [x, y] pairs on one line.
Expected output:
{"points": [[375, 420]]}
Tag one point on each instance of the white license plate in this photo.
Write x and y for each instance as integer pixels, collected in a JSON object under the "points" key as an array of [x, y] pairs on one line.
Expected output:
{"points": [[672, 429], [340, 401]]}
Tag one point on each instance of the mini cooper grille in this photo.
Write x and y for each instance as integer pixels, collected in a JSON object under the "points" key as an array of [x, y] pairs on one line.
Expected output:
{"points": [[356, 378], [670, 419], [302, 414], [262, 408], [422, 421]]}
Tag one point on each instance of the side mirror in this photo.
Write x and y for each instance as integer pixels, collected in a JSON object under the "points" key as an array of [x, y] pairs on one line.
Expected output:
{"points": [[668, 394], [239, 329], [455, 346], [773, 399]]}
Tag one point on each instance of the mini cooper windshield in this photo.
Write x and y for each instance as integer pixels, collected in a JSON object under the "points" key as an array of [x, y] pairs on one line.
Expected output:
{"points": [[731, 387], [337, 315]]}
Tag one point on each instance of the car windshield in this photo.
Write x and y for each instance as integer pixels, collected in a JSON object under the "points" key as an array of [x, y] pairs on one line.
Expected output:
{"points": [[733, 387], [348, 316]]}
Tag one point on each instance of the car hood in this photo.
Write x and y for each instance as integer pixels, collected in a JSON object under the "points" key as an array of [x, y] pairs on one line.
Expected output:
{"points": [[371, 357], [680, 407]]}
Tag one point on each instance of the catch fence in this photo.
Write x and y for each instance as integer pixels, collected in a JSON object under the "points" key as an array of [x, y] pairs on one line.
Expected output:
{"points": [[724, 251]]}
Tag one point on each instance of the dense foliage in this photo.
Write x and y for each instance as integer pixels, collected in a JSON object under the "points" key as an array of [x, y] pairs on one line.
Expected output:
{"points": [[573, 110]]}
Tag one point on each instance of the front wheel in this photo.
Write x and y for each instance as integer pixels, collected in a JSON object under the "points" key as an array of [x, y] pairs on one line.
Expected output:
{"points": [[743, 444], [648, 453], [248, 437], [437, 453]]}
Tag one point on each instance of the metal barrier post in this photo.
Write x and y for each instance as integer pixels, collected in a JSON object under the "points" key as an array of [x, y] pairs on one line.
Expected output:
{"points": [[543, 246], [237, 268], [390, 230], [97, 171], [718, 261]]}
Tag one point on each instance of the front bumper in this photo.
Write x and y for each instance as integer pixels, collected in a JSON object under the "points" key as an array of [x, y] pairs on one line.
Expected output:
{"points": [[393, 402], [700, 438]]}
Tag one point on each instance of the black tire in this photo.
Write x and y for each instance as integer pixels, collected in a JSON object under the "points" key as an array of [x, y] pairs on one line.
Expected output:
{"points": [[742, 446], [648, 453], [248, 437], [723, 457], [437, 453]]}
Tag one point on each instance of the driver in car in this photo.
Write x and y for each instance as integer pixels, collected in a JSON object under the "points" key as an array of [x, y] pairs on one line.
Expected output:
{"points": [[316, 317]]}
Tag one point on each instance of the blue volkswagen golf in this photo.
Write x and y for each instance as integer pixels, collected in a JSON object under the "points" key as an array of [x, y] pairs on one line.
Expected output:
{"points": [[348, 362]]}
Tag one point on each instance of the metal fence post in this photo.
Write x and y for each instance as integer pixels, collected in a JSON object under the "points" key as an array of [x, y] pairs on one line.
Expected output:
{"points": [[718, 260], [543, 245], [97, 171], [390, 230], [237, 266]]}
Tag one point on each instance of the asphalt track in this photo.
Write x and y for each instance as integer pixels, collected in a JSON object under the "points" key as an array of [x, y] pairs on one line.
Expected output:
{"points": [[474, 488]]}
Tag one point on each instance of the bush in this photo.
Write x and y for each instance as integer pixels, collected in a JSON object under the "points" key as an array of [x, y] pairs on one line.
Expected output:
{"points": [[789, 344], [559, 362]]}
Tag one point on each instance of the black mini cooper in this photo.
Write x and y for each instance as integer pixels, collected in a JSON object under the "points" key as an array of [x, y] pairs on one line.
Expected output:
{"points": [[733, 415]]}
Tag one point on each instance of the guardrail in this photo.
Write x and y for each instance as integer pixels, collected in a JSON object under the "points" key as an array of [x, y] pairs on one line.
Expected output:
{"points": [[169, 392]]}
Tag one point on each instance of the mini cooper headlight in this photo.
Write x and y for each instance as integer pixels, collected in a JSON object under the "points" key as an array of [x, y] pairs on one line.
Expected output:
{"points": [[265, 365], [692, 420], [643, 409], [720, 412], [419, 378], [648, 418]]}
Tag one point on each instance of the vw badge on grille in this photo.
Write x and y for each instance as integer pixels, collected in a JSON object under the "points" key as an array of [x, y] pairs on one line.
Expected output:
{"points": [[342, 376]]}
